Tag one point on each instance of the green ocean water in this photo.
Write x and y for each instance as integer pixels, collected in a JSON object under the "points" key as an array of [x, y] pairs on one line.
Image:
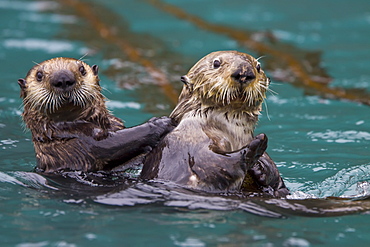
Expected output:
{"points": [[320, 145]]}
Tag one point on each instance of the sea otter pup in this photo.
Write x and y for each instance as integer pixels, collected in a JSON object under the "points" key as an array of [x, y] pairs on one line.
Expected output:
{"points": [[217, 112], [70, 124]]}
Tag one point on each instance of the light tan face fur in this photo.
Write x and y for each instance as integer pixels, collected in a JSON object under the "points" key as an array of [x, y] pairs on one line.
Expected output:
{"points": [[210, 82], [39, 94]]}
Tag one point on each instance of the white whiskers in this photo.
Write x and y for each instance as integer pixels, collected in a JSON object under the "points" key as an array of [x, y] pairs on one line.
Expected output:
{"points": [[43, 100], [83, 56], [267, 110], [261, 57]]}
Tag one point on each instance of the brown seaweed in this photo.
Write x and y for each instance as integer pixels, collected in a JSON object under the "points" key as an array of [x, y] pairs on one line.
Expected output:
{"points": [[301, 68], [286, 62], [109, 34]]}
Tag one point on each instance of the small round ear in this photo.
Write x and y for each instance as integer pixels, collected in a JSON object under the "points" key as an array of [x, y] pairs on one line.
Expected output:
{"points": [[185, 79], [95, 69], [22, 83]]}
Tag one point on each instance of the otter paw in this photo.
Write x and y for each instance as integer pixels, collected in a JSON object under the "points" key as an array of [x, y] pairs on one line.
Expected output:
{"points": [[254, 150], [258, 145], [162, 125], [259, 175]]}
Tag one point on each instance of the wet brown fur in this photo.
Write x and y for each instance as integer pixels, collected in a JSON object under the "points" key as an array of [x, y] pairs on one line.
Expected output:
{"points": [[57, 118], [217, 112], [211, 93]]}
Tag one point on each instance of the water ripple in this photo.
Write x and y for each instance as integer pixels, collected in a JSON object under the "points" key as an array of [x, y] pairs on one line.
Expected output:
{"points": [[31, 44], [340, 136], [124, 193]]}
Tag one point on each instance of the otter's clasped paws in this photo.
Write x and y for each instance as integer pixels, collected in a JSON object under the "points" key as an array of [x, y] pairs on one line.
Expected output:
{"points": [[256, 148]]}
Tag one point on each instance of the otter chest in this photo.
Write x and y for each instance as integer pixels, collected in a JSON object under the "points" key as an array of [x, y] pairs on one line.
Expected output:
{"points": [[225, 135]]}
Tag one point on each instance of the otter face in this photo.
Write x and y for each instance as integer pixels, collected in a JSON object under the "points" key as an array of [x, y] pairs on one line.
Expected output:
{"points": [[227, 79], [60, 85]]}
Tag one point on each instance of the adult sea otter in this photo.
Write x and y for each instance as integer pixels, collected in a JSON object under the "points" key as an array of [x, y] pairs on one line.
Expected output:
{"points": [[213, 147], [72, 130]]}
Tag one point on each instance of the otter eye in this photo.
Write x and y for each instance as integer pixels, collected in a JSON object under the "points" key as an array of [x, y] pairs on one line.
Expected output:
{"points": [[216, 63], [39, 76], [258, 67], [82, 70]]}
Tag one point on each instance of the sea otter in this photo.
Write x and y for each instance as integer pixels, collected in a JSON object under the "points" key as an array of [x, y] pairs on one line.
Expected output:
{"points": [[72, 130], [217, 113]]}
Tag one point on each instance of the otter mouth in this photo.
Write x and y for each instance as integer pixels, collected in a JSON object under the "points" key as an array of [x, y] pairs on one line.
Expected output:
{"points": [[67, 101], [63, 88], [241, 97], [54, 102], [66, 112], [243, 90]]}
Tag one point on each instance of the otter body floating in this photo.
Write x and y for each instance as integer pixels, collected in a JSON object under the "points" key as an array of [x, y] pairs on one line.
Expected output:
{"points": [[72, 130], [213, 147]]}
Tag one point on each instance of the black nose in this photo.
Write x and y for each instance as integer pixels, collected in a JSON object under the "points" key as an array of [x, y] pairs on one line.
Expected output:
{"points": [[244, 75], [63, 80]]}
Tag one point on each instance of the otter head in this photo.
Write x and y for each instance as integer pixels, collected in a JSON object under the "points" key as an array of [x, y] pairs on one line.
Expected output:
{"points": [[61, 89], [228, 80]]}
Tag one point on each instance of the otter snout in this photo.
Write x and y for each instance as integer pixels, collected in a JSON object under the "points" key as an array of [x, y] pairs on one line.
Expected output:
{"points": [[63, 80], [244, 75]]}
